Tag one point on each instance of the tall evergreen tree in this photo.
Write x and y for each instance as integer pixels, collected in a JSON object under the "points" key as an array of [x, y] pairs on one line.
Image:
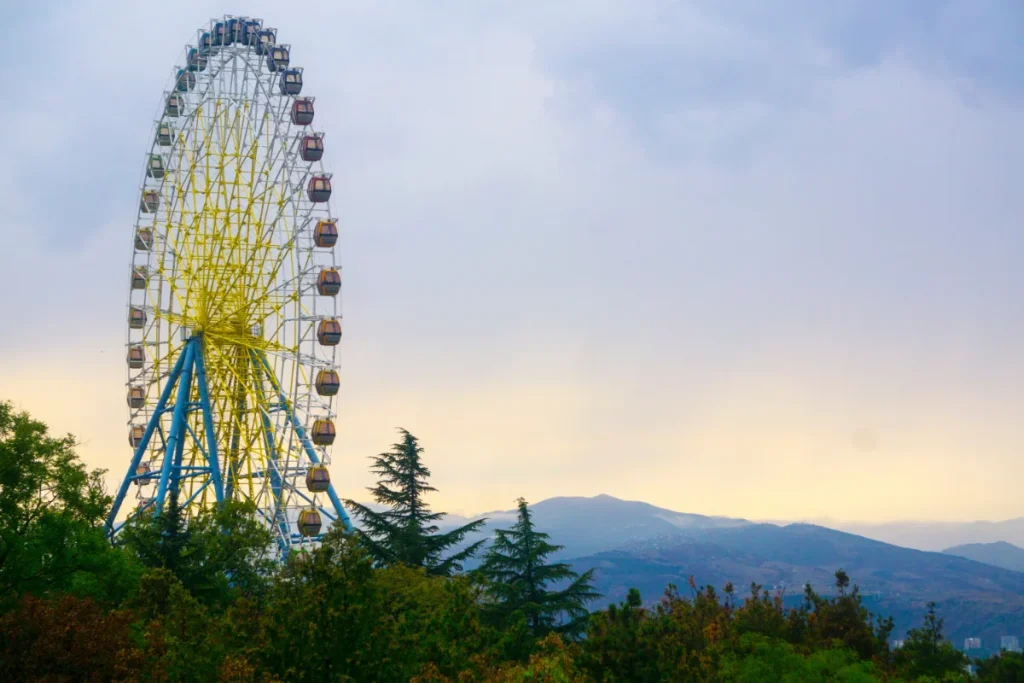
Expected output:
{"points": [[407, 533], [520, 581]]}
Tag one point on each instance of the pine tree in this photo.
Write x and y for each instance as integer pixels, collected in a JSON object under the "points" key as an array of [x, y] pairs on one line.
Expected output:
{"points": [[519, 581], [407, 533]]}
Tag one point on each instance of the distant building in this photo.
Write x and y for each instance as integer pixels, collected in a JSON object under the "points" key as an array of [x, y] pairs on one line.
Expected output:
{"points": [[972, 644], [896, 644], [1009, 643]]}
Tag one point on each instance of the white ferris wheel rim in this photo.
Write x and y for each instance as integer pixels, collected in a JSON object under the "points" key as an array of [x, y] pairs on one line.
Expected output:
{"points": [[234, 75]]}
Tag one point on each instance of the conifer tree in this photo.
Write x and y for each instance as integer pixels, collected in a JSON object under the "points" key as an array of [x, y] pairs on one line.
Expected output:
{"points": [[406, 532], [520, 581]]}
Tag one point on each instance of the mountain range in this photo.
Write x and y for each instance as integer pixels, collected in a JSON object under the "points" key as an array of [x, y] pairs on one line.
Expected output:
{"points": [[635, 544], [936, 535], [998, 554]]}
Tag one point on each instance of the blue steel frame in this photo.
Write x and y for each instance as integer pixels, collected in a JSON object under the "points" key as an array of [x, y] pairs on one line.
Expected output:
{"points": [[283, 404], [172, 472]]}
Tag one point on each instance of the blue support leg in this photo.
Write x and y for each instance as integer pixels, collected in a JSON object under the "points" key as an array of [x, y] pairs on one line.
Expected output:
{"points": [[231, 461], [211, 436], [177, 424], [140, 447], [307, 445], [268, 437]]}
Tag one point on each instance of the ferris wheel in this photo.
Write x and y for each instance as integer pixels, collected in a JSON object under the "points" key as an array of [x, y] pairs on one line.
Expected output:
{"points": [[233, 309]]}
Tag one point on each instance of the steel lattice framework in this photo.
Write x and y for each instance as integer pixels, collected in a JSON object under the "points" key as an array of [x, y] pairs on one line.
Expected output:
{"points": [[233, 311]]}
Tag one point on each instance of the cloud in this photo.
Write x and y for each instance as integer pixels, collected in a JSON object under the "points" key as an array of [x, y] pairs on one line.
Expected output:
{"points": [[671, 251]]}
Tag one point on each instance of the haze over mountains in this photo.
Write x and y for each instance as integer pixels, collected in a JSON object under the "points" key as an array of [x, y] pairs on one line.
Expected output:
{"points": [[932, 536], [936, 535], [998, 554], [635, 544]]}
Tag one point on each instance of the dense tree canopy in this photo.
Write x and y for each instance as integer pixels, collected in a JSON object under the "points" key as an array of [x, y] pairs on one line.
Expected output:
{"points": [[51, 538], [197, 600]]}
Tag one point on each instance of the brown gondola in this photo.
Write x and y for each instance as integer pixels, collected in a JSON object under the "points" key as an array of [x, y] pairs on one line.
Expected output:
{"points": [[309, 522], [327, 382], [140, 277], [323, 432], [325, 235], [136, 318], [312, 147], [328, 332], [319, 188], [318, 479], [143, 239], [136, 397], [328, 283]]}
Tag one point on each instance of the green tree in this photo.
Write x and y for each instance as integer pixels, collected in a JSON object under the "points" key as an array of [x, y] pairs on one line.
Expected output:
{"points": [[845, 620], [554, 661], [326, 619], [756, 658], [618, 646], [66, 638], [51, 508], [1006, 667], [926, 652], [217, 554], [182, 637], [519, 581], [406, 532]]}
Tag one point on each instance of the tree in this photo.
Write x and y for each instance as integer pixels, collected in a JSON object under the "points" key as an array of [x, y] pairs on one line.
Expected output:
{"points": [[67, 638], [1006, 667], [51, 508], [520, 581], [182, 637], [407, 533], [216, 553], [926, 652], [553, 662], [844, 619], [326, 619], [618, 646], [757, 658]]}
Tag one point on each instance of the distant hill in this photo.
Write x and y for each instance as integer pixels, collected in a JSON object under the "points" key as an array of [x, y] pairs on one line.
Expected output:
{"points": [[999, 554], [974, 599], [936, 535], [635, 544], [591, 525]]}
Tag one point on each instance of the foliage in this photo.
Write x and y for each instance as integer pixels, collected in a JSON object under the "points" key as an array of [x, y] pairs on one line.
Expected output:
{"points": [[843, 620], [216, 554], [706, 638], [181, 637], [1008, 667], [758, 658], [66, 638], [553, 661], [51, 508], [407, 533], [197, 600], [520, 582], [926, 653]]}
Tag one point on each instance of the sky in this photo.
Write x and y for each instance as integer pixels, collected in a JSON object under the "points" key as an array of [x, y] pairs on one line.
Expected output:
{"points": [[749, 259]]}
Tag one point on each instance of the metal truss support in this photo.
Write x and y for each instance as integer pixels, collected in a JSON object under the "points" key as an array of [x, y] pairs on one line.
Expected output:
{"points": [[189, 365], [340, 515]]}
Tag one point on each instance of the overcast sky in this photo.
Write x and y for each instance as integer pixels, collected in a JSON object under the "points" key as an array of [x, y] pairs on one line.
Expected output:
{"points": [[743, 258]]}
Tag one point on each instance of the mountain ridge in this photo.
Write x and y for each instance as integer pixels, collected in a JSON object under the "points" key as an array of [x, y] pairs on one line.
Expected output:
{"points": [[636, 544], [998, 554]]}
